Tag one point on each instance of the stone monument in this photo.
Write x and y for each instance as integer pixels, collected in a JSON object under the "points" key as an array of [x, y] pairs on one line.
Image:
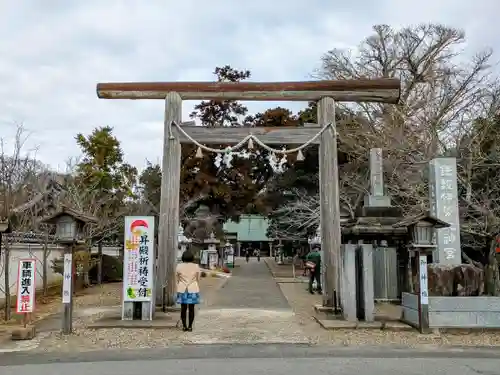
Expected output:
{"points": [[443, 198], [376, 198]]}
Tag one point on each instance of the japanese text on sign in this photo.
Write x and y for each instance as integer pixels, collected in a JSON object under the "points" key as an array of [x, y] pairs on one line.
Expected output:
{"points": [[444, 205], [424, 294], [67, 277], [138, 259], [26, 286], [376, 172]]}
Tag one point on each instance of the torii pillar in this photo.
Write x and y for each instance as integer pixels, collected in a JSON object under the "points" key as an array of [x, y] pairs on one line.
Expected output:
{"points": [[385, 90]]}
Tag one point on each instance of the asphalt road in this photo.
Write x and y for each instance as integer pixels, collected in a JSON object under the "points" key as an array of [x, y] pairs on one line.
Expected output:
{"points": [[256, 359], [275, 366]]}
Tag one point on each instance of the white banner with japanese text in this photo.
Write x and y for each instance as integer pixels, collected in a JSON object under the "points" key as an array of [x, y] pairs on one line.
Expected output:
{"points": [[139, 258], [26, 286]]}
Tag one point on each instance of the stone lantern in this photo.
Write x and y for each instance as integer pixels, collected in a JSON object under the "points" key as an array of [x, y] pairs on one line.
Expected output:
{"points": [[421, 243], [315, 242], [70, 230], [212, 254], [316, 239], [279, 253], [183, 242], [4, 228], [4, 225], [70, 225], [229, 254]]}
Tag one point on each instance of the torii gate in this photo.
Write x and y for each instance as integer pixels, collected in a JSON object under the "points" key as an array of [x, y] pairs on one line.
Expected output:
{"points": [[382, 90]]}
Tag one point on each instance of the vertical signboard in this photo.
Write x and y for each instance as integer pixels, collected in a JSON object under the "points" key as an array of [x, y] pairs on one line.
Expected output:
{"points": [[26, 286], [138, 259], [424, 280], [67, 278], [443, 197]]}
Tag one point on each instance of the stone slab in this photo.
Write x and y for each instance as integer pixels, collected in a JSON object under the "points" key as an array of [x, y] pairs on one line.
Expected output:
{"points": [[377, 201], [161, 321], [171, 309], [397, 326], [385, 212], [337, 324], [24, 333], [323, 309], [284, 280]]}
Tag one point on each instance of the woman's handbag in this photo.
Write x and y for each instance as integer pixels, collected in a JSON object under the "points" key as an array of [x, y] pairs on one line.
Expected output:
{"points": [[310, 265]]}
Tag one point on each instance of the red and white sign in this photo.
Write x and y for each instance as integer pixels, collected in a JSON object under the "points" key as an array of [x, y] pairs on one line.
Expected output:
{"points": [[26, 286]]}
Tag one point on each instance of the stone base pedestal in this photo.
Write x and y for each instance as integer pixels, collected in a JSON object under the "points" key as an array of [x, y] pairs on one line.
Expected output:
{"points": [[377, 201], [348, 282], [147, 310], [366, 301], [24, 333]]}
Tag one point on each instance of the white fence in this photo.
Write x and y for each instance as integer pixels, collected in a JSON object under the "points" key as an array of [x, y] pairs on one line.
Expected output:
{"points": [[27, 250]]}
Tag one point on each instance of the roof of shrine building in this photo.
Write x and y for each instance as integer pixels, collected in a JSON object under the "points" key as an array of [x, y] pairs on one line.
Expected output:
{"points": [[424, 216], [388, 225], [77, 215]]}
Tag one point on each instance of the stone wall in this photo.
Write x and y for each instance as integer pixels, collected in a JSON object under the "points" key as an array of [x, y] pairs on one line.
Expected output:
{"points": [[454, 280], [454, 312]]}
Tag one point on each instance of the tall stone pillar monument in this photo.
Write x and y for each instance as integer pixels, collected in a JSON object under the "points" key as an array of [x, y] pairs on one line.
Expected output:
{"points": [[443, 197], [376, 198]]}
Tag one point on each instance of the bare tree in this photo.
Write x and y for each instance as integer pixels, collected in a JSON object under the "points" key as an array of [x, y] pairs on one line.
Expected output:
{"points": [[295, 219], [441, 96], [18, 169], [479, 166]]}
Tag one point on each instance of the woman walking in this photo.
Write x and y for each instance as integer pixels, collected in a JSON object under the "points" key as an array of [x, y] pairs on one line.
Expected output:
{"points": [[188, 288]]}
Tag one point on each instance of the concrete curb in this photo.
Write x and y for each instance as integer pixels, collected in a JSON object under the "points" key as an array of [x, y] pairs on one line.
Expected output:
{"points": [[271, 270]]}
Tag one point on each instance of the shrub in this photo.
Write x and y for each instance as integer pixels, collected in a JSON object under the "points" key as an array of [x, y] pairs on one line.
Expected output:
{"points": [[112, 269]]}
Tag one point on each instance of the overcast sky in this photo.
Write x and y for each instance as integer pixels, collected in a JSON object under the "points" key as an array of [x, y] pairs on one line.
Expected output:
{"points": [[53, 52]]}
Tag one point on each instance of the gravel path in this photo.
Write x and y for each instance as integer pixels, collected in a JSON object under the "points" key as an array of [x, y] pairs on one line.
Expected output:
{"points": [[249, 307], [102, 299], [302, 304]]}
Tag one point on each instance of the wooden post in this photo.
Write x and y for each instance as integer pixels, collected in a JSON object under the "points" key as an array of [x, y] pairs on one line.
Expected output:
{"points": [[169, 206], [67, 292], [99, 263], [329, 200], [45, 266], [423, 295], [7, 312]]}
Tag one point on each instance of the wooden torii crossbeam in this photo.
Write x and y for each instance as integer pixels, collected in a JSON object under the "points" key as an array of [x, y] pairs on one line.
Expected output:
{"points": [[386, 90], [325, 92]]}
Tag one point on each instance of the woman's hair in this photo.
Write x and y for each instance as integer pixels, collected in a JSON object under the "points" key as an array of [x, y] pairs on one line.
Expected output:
{"points": [[187, 257]]}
